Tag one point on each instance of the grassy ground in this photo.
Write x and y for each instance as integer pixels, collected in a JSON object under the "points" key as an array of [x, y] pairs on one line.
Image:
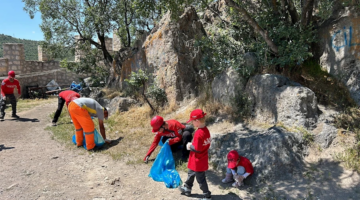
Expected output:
{"points": [[27, 104]]}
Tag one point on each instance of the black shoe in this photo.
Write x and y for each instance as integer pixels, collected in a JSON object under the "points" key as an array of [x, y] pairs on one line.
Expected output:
{"points": [[2, 118], [15, 116]]}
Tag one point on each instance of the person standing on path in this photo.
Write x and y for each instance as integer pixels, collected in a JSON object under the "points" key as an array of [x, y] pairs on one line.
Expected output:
{"points": [[7, 93], [199, 157], [65, 97], [81, 110]]}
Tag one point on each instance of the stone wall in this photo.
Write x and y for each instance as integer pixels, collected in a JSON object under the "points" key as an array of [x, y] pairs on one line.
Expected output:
{"points": [[4, 65], [39, 66], [116, 42], [41, 54], [16, 56]]}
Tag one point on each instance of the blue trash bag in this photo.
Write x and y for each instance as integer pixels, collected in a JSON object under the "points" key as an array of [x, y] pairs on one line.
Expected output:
{"points": [[161, 143], [75, 87], [163, 169], [99, 140]]}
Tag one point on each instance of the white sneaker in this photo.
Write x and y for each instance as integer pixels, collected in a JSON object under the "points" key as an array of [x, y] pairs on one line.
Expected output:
{"points": [[236, 184]]}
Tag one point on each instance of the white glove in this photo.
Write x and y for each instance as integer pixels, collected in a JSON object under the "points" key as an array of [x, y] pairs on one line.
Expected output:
{"points": [[4, 98], [188, 145]]}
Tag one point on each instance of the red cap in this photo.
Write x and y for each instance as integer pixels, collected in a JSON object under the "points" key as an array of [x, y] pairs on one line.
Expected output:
{"points": [[233, 156], [11, 74], [156, 123], [196, 114]]}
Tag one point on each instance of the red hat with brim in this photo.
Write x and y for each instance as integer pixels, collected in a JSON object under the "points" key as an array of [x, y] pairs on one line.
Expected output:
{"points": [[233, 157], [196, 114]]}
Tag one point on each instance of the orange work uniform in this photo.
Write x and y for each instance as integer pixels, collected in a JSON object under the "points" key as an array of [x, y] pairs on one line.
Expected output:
{"points": [[81, 110]]}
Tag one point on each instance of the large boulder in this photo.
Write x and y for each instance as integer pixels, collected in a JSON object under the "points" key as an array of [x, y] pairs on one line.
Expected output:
{"points": [[277, 99], [275, 153], [120, 104], [168, 52], [171, 53], [226, 85], [339, 49]]}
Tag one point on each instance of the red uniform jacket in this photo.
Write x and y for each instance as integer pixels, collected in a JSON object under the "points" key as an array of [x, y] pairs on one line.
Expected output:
{"points": [[8, 87], [246, 164], [199, 162], [173, 131], [67, 95]]}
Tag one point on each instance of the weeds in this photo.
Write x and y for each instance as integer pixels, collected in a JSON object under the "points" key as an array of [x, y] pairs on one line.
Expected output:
{"points": [[349, 120]]}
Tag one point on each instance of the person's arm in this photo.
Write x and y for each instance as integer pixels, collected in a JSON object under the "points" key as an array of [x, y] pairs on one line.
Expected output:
{"points": [[18, 88], [154, 144], [196, 144], [175, 140], [2, 89], [102, 128]]}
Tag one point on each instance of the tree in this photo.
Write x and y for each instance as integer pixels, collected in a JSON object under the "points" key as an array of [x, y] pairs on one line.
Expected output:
{"points": [[93, 21]]}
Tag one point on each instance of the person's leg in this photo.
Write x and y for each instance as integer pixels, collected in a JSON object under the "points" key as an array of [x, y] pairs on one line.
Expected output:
{"points": [[78, 129], [2, 107], [186, 138], [229, 177], [61, 103], [186, 188], [201, 179], [13, 103], [88, 127]]}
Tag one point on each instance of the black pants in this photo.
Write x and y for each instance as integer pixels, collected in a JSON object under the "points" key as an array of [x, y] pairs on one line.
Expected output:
{"points": [[12, 99], [186, 137], [61, 103], [201, 179]]}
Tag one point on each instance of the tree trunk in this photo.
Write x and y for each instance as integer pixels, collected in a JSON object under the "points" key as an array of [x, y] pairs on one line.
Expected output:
{"points": [[254, 24], [146, 99], [292, 11], [305, 13]]}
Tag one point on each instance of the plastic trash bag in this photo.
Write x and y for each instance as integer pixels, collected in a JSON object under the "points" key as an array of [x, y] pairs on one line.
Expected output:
{"points": [[52, 85], [99, 140], [75, 87], [163, 169]]}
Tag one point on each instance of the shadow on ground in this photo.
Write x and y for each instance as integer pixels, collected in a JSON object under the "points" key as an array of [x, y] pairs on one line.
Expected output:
{"points": [[2, 147]]}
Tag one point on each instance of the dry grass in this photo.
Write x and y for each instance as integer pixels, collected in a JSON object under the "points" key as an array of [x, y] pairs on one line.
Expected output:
{"points": [[111, 93]]}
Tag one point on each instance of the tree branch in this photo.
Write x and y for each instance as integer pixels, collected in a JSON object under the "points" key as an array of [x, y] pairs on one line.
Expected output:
{"points": [[254, 24]]}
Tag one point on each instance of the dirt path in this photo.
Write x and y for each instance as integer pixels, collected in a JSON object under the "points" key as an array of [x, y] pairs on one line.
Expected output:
{"points": [[34, 166]]}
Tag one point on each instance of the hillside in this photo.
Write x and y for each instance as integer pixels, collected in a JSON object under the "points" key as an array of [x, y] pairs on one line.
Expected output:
{"points": [[30, 46]]}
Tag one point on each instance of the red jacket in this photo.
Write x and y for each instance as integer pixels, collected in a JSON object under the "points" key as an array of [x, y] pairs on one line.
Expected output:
{"points": [[67, 95], [173, 131], [246, 164], [199, 162], [8, 87]]}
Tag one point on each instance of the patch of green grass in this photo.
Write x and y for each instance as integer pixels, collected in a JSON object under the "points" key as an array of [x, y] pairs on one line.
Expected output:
{"points": [[27, 104]]}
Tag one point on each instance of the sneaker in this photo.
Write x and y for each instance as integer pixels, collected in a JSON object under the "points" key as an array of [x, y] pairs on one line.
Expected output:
{"points": [[15, 116], [185, 190], [228, 179], [2, 118], [54, 124], [236, 184]]}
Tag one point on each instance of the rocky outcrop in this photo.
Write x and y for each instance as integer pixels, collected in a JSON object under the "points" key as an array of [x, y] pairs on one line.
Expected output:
{"points": [[170, 52], [340, 49], [120, 104], [226, 85], [277, 99]]}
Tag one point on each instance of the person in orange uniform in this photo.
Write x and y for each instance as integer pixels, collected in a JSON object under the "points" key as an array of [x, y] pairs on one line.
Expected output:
{"points": [[81, 110], [177, 133], [7, 93], [64, 97]]}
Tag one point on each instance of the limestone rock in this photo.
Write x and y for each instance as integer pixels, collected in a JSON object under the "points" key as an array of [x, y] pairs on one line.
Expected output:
{"points": [[277, 99]]}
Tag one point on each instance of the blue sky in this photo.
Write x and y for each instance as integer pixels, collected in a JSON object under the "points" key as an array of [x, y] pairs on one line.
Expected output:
{"points": [[14, 21]]}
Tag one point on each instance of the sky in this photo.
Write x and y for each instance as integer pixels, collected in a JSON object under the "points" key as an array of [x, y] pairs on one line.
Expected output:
{"points": [[14, 21]]}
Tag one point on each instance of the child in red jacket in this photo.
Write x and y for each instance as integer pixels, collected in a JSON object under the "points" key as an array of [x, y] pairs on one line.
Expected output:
{"points": [[199, 158], [239, 168]]}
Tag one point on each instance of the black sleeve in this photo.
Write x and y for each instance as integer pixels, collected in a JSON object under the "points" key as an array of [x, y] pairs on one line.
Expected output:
{"points": [[192, 148]]}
